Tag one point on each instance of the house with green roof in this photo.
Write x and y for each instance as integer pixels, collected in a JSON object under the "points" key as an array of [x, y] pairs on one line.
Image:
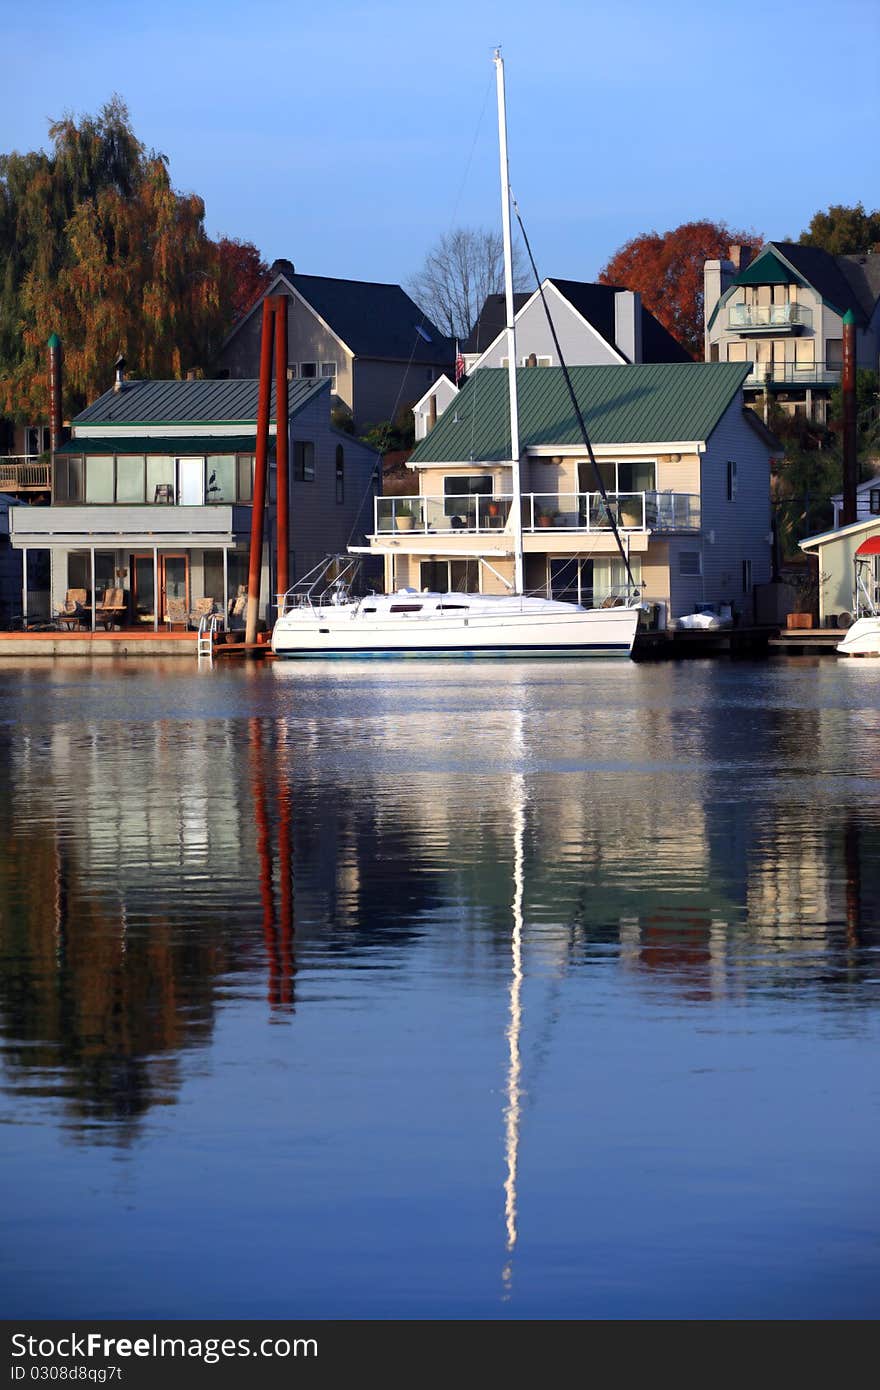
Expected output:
{"points": [[685, 468], [153, 495], [782, 312]]}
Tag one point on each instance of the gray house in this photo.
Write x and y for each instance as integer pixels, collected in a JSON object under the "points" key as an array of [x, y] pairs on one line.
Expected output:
{"points": [[153, 495], [372, 345], [596, 325], [782, 313]]}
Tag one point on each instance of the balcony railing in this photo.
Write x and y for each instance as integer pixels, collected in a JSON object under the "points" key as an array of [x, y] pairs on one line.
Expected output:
{"points": [[23, 473], [793, 374], [479, 513], [769, 316]]}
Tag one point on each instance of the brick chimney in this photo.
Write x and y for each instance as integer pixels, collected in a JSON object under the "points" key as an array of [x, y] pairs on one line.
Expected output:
{"points": [[628, 323], [739, 257]]}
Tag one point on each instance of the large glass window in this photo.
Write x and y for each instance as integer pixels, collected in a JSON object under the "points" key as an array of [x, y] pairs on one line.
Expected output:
{"points": [[68, 479], [450, 576], [635, 477], [459, 488], [160, 478], [213, 571], [99, 478], [221, 478], [245, 477], [129, 478]]}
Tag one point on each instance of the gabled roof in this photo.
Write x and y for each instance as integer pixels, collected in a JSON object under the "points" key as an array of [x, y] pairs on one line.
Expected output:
{"points": [[644, 403], [839, 533], [491, 320], [844, 282], [593, 302], [374, 320], [192, 402]]}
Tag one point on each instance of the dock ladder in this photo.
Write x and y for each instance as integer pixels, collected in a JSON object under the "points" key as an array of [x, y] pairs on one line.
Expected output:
{"points": [[207, 628]]}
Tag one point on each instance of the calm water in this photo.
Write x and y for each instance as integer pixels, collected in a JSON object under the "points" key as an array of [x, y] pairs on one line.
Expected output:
{"points": [[436, 990]]}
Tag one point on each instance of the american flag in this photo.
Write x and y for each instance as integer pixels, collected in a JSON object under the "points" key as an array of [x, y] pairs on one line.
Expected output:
{"points": [[459, 363]]}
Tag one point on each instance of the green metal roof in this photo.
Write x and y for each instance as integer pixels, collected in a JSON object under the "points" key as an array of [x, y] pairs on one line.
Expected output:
{"points": [[768, 269], [179, 445], [680, 401], [203, 402]]}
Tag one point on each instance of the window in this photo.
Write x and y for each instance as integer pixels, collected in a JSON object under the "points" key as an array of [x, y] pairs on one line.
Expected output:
{"points": [[160, 478], [690, 563], [804, 356], [245, 477], [291, 372], [36, 440], [731, 481], [834, 353], [747, 576], [340, 473], [129, 478], [329, 369], [99, 478], [737, 352], [304, 461], [459, 490], [533, 360], [221, 478], [874, 501], [308, 369], [450, 576], [213, 572], [69, 482]]}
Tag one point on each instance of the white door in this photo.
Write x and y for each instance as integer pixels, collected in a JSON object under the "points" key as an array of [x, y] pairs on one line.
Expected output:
{"points": [[190, 482]]}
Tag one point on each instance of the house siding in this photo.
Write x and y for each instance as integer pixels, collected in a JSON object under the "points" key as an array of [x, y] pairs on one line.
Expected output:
{"points": [[381, 388], [319, 525], [307, 341], [741, 526], [581, 346]]}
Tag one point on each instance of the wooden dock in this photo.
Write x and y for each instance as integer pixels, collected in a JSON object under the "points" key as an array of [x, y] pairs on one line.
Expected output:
{"points": [[120, 644]]}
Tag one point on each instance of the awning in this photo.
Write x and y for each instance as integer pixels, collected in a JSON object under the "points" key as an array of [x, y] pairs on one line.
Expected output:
{"points": [[870, 547], [179, 445]]}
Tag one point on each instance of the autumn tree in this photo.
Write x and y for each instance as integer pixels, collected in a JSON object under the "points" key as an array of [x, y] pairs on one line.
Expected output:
{"points": [[667, 270], [464, 267], [97, 246], [843, 231], [244, 275]]}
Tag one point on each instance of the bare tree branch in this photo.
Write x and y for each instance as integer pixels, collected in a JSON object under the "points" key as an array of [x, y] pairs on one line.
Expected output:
{"points": [[459, 272]]}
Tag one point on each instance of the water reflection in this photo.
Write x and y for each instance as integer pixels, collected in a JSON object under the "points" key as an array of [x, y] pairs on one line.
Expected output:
{"points": [[187, 856]]}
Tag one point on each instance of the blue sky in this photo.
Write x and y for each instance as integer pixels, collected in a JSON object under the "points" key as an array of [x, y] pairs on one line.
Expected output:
{"points": [[347, 137]]}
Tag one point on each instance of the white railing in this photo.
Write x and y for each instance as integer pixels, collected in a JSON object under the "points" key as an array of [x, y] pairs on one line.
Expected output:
{"points": [[574, 511], [23, 472], [793, 373]]}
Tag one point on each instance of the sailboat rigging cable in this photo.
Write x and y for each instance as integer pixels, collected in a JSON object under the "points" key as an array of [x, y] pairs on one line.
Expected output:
{"points": [[574, 400]]}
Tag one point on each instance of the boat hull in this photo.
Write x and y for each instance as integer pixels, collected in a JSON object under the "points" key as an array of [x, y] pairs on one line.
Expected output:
{"points": [[594, 632], [862, 639]]}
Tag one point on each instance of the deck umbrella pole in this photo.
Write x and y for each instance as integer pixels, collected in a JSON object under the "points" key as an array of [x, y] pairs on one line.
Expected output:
{"points": [[260, 469], [282, 474]]}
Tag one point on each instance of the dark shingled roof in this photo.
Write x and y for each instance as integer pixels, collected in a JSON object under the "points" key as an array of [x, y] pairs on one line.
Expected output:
{"points": [[844, 282], [375, 320], [192, 402], [491, 319], [645, 403], [595, 303]]}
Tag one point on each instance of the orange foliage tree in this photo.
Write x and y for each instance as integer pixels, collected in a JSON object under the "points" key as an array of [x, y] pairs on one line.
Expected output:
{"points": [[667, 270], [102, 250]]}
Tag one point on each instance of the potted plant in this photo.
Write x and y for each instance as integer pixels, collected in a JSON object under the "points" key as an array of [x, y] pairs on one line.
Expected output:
{"points": [[548, 518], [403, 516]]}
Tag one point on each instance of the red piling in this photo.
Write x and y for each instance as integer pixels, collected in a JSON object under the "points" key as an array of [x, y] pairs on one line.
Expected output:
{"points": [[282, 473], [260, 472]]}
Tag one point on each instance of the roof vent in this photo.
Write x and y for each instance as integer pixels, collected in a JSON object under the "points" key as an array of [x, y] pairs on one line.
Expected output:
{"points": [[119, 383]]}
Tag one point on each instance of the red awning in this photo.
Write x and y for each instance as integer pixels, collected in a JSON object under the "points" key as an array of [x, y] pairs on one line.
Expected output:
{"points": [[870, 547]]}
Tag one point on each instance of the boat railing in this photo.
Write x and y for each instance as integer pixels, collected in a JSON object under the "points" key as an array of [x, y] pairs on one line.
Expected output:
{"points": [[327, 585]]}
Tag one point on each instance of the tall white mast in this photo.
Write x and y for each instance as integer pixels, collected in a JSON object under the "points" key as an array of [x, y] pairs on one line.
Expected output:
{"points": [[516, 507]]}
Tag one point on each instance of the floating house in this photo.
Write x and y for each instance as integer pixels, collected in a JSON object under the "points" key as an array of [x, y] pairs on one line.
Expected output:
{"points": [[152, 495]]}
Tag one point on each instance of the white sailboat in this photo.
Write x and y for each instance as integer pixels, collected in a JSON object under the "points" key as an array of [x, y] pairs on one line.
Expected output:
{"points": [[320, 617]]}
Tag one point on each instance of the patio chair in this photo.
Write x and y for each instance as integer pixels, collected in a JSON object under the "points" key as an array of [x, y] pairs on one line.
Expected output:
{"points": [[111, 608], [73, 612], [176, 613], [237, 610], [202, 608]]}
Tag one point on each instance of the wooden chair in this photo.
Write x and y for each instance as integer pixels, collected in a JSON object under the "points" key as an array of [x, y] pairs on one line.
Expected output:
{"points": [[237, 610], [73, 612], [111, 608]]}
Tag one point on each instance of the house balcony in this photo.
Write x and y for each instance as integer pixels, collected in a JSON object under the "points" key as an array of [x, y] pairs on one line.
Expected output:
{"points": [[24, 473], [583, 512], [769, 318], [781, 374]]}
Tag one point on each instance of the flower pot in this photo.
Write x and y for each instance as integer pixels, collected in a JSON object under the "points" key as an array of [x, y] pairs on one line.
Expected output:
{"points": [[404, 523], [544, 520], [799, 620]]}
